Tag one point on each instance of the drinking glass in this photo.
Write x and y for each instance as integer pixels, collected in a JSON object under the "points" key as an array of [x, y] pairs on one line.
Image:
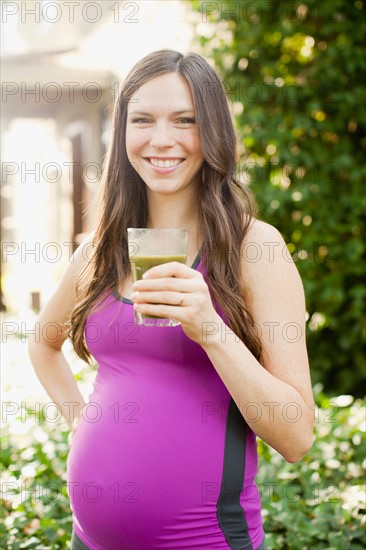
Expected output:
{"points": [[148, 248]]}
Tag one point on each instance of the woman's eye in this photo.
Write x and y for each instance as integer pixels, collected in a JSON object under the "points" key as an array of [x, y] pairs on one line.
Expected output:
{"points": [[186, 121], [180, 121]]}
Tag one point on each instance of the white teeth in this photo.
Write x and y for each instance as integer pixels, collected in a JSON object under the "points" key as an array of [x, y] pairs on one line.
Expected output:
{"points": [[159, 163]]}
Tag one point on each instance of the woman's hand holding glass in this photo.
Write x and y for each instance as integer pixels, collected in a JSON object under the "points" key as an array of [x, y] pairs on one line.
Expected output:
{"points": [[177, 291]]}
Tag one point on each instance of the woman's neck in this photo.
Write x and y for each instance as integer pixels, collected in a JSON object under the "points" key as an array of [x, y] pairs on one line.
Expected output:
{"points": [[176, 211], [172, 212]]}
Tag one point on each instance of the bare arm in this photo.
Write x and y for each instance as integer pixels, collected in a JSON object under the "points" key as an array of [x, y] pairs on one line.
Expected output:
{"points": [[45, 345], [276, 401]]}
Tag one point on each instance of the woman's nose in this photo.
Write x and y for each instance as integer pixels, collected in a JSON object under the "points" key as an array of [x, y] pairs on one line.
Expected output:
{"points": [[162, 135]]}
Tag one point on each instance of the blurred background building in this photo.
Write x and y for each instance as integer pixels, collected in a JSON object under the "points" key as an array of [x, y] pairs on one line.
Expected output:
{"points": [[62, 64]]}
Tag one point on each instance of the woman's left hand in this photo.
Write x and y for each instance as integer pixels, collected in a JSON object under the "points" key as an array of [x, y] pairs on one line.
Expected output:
{"points": [[73, 430], [176, 291]]}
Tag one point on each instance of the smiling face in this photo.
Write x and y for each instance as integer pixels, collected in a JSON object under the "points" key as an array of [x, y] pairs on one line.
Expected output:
{"points": [[162, 141]]}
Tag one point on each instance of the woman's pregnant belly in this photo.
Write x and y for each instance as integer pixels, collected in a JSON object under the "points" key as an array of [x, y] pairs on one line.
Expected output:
{"points": [[145, 467]]}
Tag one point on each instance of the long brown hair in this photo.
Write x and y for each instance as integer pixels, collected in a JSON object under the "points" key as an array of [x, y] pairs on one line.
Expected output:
{"points": [[226, 208]]}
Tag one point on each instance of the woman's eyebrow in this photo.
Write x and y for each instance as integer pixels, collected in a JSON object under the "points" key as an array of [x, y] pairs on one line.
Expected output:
{"points": [[183, 112], [138, 113], [175, 113]]}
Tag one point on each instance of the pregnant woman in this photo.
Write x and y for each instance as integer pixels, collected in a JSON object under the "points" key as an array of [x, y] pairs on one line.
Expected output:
{"points": [[164, 455]]}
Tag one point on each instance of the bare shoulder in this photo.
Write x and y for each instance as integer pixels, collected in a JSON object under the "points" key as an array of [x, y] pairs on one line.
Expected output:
{"points": [[78, 261], [266, 261], [260, 232], [56, 312]]}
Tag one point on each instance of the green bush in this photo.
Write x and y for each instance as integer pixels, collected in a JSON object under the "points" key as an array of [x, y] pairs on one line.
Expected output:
{"points": [[317, 503], [314, 504], [35, 506], [293, 73]]}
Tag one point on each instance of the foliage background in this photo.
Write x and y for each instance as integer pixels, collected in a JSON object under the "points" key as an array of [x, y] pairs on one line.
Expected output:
{"points": [[294, 73]]}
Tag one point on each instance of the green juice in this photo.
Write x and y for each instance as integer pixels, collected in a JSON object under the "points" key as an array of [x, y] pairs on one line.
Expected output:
{"points": [[140, 264]]}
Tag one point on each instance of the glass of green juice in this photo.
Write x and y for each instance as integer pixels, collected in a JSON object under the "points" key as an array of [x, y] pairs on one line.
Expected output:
{"points": [[148, 248]]}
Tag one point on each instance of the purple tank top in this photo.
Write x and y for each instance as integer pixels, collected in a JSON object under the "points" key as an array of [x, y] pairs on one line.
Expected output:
{"points": [[162, 458]]}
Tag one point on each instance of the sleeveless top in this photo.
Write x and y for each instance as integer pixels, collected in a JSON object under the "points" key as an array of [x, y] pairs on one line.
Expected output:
{"points": [[162, 457]]}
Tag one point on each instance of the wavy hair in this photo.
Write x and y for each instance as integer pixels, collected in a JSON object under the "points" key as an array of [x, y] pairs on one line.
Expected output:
{"points": [[226, 208]]}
